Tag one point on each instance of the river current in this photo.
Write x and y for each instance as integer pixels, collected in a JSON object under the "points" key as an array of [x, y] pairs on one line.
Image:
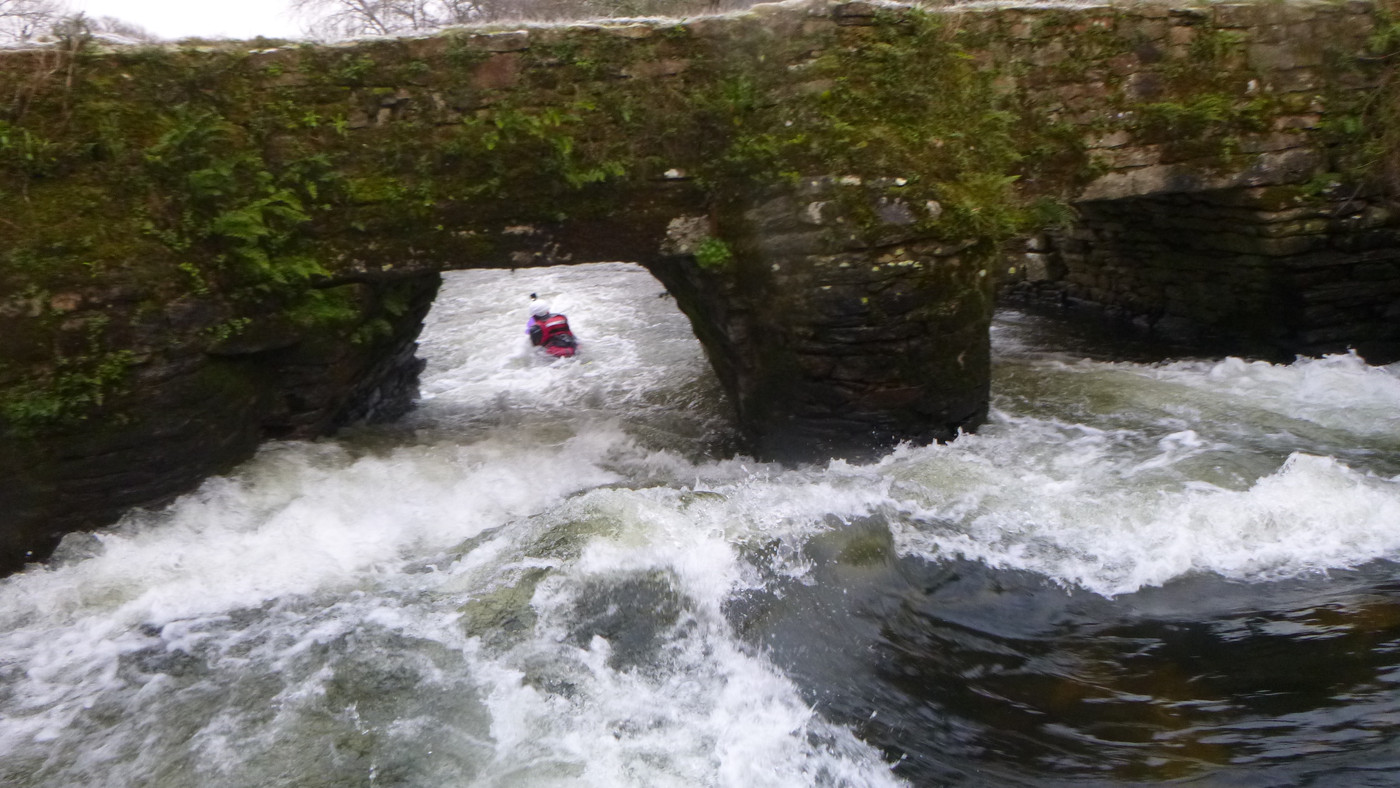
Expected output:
{"points": [[558, 573]]}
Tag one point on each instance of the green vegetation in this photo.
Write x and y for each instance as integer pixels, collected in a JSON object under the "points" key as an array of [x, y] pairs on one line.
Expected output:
{"points": [[713, 253], [908, 102], [146, 171], [68, 393], [1365, 128]]}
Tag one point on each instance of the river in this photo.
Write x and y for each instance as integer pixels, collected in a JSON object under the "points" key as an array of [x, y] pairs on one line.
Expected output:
{"points": [[558, 573]]}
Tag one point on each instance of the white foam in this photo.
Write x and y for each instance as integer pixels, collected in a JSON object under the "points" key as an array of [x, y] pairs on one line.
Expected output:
{"points": [[1337, 391], [1122, 476], [1312, 515], [304, 517], [263, 577], [705, 710]]}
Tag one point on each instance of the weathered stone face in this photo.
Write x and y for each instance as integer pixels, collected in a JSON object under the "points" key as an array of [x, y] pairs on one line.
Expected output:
{"points": [[197, 409], [839, 335], [204, 248], [1264, 272], [1241, 207]]}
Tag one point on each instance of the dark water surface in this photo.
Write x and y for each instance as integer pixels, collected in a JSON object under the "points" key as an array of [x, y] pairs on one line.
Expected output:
{"points": [[557, 574]]}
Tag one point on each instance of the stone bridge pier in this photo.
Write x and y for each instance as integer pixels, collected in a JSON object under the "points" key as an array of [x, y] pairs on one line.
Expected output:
{"points": [[1265, 271], [834, 339]]}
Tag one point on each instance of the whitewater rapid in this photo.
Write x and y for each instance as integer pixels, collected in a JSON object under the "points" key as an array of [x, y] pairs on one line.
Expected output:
{"points": [[558, 573]]}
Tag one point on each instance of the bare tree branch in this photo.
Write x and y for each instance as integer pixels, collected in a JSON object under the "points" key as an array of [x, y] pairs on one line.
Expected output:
{"points": [[124, 29], [347, 18], [26, 20]]}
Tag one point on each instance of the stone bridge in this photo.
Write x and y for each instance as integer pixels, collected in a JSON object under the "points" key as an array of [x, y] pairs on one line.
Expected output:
{"points": [[201, 248]]}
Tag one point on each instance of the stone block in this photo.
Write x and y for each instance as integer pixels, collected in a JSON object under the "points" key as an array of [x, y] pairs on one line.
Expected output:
{"points": [[1267, 34], [633, 32], [821, 213], [668, 67], [1283, 229], [1180, 36], [1129, 157], [1282, 56], [1145, 86], [894, 212], [1268, 143], [795, 244], [1092, 92], [1181, 16], [855, 14], [1384, 215], [510, 41], [1289, 245], [500, 72], [1291, 166], [357, 118], [1236, 15], [1305, 122], [1298, 80], [714, 27], [684, 234], [1036, 267], [1049, 54], [776, 213], [1139, 182], [816, 87]]}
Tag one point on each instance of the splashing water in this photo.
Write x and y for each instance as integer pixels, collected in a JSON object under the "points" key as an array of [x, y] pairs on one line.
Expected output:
{"points": [[555, 572]]}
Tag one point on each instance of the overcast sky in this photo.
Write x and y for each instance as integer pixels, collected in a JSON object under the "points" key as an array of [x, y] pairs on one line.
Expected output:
{"points": [[208, 18]]}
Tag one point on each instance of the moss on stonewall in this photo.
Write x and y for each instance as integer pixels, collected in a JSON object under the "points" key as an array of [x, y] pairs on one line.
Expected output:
{"points": [[1363, 127], [140, 179], [65, 393]]}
